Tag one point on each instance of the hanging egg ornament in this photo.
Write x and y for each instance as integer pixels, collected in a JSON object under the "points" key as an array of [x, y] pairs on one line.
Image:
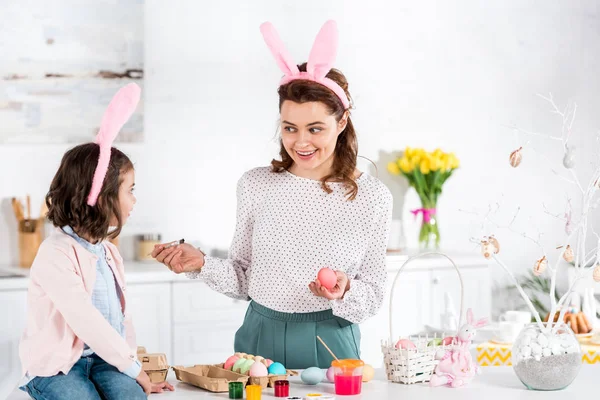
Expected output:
{"points": [[516, 157], [494, 242], [569, 157], [568, 254], [540, 266], [487, 249], [597, 272]]}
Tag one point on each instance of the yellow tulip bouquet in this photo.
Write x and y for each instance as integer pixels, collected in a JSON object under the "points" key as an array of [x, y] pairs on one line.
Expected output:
{"points": [[426, 172]]}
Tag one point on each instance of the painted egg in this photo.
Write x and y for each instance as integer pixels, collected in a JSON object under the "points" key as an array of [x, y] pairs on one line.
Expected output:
{"points": [[448, 340], [405, 344], [277, 369], [249, 357], [245, 368], [368, 373], [258, 369], [327, 277], [312, 375], [238, 364], [268, 362], [435, 342], [230, 362], [330, 374]]}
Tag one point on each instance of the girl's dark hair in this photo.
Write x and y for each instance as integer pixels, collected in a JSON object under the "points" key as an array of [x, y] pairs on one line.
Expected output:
{"points": [[69, 190], [346, 148]]}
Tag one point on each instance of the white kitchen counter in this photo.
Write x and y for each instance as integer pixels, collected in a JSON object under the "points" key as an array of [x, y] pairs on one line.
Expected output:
{"points": [[151, 271], [494, 383]]}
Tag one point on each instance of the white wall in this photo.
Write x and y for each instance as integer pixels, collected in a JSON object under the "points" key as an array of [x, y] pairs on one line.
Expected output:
{"points": [[432, 74]]}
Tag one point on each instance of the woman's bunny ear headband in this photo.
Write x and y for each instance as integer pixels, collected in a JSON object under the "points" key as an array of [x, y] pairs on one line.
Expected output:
{"points": [[118, 112], [320, 60]]}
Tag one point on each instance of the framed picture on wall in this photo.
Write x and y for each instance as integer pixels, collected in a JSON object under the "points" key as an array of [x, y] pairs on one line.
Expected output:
{"points": [[60, 64]]}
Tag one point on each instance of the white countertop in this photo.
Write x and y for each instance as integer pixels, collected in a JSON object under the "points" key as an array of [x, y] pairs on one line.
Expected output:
{"points": [[152, 271], [493, 383]]}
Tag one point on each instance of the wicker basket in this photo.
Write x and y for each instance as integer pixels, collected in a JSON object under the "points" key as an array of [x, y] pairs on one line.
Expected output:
{"points": [[414, 365]]}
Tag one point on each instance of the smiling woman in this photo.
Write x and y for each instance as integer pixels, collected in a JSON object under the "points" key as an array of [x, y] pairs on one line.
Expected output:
{"points": [[311, 209], [316, 129]]}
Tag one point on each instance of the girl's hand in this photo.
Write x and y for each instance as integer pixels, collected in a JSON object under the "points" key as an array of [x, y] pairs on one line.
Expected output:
{"points": [[144, 381], [161, 387], [181, 258], [337, 292]]}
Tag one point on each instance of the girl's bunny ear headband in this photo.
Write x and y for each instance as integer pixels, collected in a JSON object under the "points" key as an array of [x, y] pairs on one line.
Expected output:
{"points": [[120, 109], [320, 60]]}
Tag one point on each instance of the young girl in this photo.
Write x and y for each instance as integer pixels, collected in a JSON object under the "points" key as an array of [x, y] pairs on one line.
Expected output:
{"points": [[309, 210], [79, 341]]}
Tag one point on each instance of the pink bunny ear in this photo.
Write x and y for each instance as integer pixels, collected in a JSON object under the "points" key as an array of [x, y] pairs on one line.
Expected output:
{"points": [[282, 56], [324, 50], [320, 61], [470, 316], [118, 112]]}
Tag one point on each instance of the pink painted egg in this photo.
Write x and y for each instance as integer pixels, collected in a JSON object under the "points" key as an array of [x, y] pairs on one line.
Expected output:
{"points": [[405, 344], [230, 361], [330, 374], [448, 340], [327, 277], [258, 369]]}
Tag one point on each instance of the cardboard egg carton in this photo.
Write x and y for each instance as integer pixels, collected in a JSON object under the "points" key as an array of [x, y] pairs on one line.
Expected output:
{"points": [[209, 377], [155, 365]]}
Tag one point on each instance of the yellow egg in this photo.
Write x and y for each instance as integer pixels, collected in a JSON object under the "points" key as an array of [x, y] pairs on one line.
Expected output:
{"points": [[368, 373]]}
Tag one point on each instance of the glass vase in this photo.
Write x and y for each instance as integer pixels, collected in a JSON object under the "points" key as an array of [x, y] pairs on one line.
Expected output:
{"points": [[548, 358], [429, 234]]}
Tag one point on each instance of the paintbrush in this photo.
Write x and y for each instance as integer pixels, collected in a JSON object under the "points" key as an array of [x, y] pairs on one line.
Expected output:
{"points": [[173, 243]]}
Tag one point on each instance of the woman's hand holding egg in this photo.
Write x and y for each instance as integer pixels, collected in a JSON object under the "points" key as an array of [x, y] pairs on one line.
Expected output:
{"points": [[180, 258], [341, 285]]}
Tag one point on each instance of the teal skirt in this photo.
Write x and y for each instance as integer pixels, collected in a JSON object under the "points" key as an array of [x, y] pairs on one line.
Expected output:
{"points": [[291, 339]]}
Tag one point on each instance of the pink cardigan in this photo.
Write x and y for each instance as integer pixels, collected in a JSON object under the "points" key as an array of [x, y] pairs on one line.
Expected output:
{"points": [[60, 313]]}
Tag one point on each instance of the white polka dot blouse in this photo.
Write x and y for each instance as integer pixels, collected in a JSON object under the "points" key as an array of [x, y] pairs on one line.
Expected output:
{"points": [[288, 228]]}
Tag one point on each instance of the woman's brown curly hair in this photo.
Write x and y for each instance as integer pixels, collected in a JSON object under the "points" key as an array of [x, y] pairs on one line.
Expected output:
{"points": [[69, 190], [346, 148]]}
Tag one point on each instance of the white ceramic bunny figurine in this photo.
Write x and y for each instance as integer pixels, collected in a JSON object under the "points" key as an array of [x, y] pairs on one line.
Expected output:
{"points": [[456, 367]]}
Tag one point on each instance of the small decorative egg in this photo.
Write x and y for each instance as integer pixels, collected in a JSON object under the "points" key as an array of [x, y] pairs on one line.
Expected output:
{"points": [[368, 373], [268, 362], [258, 369], [238, 364], [516, 157], [249, 357], [405, 344], [258, 358], [596, 273], [277, 369], [435, 342], [327, 277], [230, 362], [330, 374], [489, 247], [568, 254], [448, 340], [540, 266], [569, 157], [312, 375], [245, 368]]}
